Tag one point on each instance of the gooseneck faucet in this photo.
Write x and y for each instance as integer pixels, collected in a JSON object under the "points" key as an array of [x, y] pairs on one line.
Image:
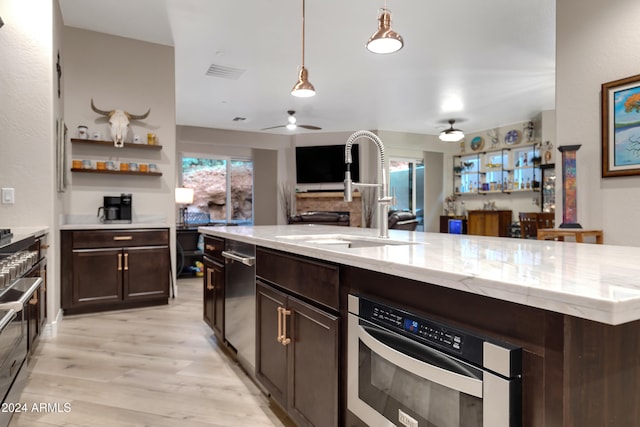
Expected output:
{"points": [[384, 200]]}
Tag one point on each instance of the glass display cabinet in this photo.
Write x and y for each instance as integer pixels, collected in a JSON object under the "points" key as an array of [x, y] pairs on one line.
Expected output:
{"points": [[548, 187]]}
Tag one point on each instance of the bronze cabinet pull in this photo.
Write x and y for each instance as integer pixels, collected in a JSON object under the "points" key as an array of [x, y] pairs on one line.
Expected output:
{"points": [[126, 261], [209, 247], [119, 262], [210, 287], [285, 340], [280, 335], [120, 238]]}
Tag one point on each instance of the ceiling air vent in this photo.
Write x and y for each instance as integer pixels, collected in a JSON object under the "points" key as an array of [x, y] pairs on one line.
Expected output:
{"points": [[224, 72], [239, 119]]}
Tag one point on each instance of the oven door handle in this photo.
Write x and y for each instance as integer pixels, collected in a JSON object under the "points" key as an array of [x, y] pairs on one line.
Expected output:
{"points": [[422, 360], [7, 319], [26, 286]]}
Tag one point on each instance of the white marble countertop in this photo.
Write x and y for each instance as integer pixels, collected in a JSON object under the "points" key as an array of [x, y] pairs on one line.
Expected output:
{"points": [[595, 282]]}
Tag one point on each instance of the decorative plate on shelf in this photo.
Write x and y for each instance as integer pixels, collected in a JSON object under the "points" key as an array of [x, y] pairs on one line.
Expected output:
{"points": [[512, 137], [477, 143]]}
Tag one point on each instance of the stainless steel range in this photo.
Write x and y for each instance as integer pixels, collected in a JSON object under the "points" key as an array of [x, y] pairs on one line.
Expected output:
{"points": [[16, 261]]}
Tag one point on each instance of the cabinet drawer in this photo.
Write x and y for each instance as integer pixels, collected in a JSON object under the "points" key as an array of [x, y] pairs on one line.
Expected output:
{"points": [[213, 247], [119, 238], [311, 279]]}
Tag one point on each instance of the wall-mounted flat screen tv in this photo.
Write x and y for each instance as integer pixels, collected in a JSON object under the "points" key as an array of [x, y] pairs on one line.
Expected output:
{"points": [[325, 164]]}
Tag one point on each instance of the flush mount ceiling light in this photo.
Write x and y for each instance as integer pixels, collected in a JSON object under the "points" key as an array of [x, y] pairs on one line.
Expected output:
{"points": [[385, 40], [451, 134], [291, 125], [303, 88]]}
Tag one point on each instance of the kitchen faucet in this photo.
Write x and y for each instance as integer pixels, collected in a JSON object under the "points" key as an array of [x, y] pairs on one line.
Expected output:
{"points": [[384, 200]]}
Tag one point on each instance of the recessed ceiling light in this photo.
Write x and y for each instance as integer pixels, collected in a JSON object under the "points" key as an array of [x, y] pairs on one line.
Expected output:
{"points": [[452, 103]]}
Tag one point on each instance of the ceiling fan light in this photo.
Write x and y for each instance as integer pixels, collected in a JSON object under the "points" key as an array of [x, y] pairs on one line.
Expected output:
{"points": [[303, 88], [451, 134], [385, 40], [291, 126]]}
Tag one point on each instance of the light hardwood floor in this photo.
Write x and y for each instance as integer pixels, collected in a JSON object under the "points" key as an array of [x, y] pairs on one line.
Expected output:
{"points": [[156, 367]]}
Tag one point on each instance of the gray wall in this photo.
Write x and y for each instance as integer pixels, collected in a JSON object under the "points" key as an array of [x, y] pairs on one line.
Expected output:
{"points": [[265, 187], [433, 190]]}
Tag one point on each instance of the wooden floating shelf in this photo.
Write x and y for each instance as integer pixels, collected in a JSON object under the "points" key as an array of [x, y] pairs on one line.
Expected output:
{"points": [[110, 144], [118, 172]]}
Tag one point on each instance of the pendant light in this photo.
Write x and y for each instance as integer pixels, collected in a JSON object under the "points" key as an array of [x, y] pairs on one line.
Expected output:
{"points": [[385, 40], [303, 88], [451, 134]]}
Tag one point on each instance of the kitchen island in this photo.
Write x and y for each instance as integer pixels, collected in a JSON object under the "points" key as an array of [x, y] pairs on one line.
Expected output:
{"points": [[573, 308]]}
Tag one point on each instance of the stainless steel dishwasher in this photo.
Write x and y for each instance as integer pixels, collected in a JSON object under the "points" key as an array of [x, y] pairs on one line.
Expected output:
{"points": [[240, 301]]}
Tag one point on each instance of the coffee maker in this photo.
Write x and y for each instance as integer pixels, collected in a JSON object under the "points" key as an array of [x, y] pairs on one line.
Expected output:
{"points": [[116, 209]]}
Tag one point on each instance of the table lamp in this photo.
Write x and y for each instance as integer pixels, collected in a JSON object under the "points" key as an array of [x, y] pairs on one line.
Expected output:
{"points": [[184, 197]]}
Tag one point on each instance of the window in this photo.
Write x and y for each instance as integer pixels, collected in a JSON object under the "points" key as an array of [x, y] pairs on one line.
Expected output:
{"points": [[223, 189], [406, 183]]}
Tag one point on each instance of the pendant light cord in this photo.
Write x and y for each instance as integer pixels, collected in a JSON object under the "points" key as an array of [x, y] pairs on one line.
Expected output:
{"points": [[302, 33]]}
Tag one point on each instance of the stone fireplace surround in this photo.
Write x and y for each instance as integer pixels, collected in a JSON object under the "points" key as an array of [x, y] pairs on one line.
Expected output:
{"points": [[330, 201]]}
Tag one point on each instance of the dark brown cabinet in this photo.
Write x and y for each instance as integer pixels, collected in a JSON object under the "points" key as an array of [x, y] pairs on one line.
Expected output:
{"points": [[36, 309], [297, 338], [489, 223], [214, 296], [114, 269], [214, 283]]}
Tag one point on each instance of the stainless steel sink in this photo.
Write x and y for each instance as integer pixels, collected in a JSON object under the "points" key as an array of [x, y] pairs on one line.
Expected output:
{"points": [[344, 241]]}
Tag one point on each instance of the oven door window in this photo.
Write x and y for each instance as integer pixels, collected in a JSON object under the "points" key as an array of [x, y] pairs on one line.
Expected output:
{"points": [[431, 400]]}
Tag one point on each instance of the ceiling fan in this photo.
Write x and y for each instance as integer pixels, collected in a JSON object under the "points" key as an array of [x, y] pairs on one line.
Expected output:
{"points": [[292, 125]]}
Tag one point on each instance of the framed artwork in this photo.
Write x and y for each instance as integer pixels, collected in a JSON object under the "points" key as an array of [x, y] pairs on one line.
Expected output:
{"points": [[621, 127]]}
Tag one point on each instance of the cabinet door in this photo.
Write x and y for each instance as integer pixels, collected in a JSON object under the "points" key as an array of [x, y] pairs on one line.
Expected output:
{"points": [[208, 292], [97, 276], [215, 271], [476, 223], [313, 365], [492, 224], [145, 272], [271, 355]]}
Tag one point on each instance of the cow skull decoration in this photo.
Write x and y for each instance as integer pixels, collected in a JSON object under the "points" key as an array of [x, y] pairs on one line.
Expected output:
{"points": [[119, 122]]}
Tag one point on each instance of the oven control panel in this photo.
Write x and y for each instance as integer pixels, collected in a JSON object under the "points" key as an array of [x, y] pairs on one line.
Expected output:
{"points": [[427, 330]]}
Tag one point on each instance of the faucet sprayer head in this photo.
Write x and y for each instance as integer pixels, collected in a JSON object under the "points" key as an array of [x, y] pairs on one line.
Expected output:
{"points": [[348, 184]]}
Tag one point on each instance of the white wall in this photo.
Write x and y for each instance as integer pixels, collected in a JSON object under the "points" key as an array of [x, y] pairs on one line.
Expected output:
{"points": [[597, 42], [27, 111], [29, 42], [134, 76]]}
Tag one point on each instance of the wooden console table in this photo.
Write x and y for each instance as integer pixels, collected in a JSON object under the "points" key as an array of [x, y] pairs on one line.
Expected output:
{"points": [[578, 233]]}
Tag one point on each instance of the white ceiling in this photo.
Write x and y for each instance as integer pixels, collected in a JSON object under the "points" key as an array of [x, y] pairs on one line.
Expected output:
{"points": [[496, 56]]}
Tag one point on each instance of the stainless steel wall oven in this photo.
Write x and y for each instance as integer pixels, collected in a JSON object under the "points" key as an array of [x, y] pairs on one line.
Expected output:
{"points": [[405, 369]]}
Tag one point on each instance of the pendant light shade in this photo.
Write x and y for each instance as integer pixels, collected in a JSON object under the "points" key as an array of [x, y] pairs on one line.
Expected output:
{"points": [[451, 134], [385, 40], [303, 87]]}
